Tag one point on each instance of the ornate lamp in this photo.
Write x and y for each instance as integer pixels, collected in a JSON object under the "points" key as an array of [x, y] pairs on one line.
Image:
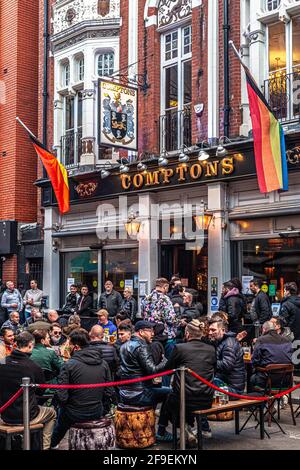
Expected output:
{"points": [[132, 225], [204, 219]]}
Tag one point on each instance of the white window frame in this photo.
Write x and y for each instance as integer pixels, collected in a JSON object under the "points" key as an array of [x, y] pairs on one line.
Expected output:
{"points": [[80, 69], [64, 67], [103, 53], [75, 129], [275, 4], [179, 61]]}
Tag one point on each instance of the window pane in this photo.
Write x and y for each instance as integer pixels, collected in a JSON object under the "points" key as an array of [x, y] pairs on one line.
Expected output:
{"points": [[82, 266], [172, 87], [273, 4], [106, 64], [296, 41], [81, 70], [69, 113], [277, 47], [121, 266], [187, 82], [79, 111], [187, 40], [66, 74]]}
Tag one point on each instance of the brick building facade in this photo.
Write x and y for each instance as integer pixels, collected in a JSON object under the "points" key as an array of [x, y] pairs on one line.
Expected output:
{"points": [[19, 97]]}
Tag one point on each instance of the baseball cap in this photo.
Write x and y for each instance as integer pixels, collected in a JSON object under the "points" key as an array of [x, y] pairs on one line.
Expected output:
{"points": [[142, 324]]}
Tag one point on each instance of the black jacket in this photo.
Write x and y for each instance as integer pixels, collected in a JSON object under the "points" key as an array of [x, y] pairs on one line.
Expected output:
{"points": [[111, 302], [234, 306], [137, 361], [17, 366], [129, 307], [290, 313], [262, 307], [230, 362], [109, 353], [201, 358], [86, 306], [71, 303], [272, 348], [85, 367]]}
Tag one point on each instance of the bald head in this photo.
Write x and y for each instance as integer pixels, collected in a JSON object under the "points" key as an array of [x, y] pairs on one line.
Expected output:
{"points": [[52, 316], [96, 333]]}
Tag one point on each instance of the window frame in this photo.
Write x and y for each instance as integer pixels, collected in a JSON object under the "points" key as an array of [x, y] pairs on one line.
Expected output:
{"points": [[101, 54]]}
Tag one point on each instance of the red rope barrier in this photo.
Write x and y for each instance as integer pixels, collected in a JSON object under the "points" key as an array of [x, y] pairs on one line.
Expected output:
{"points": [[11, 400], [244, 397], [107, 384]]}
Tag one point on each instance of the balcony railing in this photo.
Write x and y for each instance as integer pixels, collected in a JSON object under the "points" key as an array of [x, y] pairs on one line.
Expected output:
{"points": [[71, 149], [176, 129], [282, 91]]}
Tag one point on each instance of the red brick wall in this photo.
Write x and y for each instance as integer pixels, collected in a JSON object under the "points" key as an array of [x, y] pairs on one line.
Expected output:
{"points": [[19, 71], [10, 269]]}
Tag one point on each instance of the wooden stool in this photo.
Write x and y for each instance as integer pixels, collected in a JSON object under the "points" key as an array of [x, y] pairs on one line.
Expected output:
{"points": [[8, 431], [135, 427], [93, 435]]}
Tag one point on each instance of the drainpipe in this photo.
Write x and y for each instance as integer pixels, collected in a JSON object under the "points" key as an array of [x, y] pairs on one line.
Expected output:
{"points": [[45, 77], [226, 29]]}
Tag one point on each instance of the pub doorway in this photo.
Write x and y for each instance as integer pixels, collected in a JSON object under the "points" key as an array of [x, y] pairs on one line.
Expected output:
{"points": [[190, 265]]}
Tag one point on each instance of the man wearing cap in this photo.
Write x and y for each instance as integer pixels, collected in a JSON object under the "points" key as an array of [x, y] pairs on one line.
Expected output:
{"points": [[137, 361]]}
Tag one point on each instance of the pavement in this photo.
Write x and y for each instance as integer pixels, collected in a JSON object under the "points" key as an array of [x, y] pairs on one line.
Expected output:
{"points": [[224, 438]]}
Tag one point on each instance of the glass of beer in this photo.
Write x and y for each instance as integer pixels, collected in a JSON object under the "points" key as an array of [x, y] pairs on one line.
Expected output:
{"points": [[112, 339]]}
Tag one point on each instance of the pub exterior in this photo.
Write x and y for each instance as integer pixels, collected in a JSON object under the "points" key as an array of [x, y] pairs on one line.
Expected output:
{"points": [[141, 160]]}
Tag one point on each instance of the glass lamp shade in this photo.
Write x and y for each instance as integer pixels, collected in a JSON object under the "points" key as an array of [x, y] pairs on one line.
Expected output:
{"points": [[203, 221], [132, 227]]}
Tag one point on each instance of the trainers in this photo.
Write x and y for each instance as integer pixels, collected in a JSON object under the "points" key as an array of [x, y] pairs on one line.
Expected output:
{"points": [[190, 435], [166, 437]]}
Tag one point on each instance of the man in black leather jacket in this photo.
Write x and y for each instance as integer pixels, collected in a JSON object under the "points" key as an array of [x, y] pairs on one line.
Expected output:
{"points": [[110, 300], [290, 309], [137, 361]]}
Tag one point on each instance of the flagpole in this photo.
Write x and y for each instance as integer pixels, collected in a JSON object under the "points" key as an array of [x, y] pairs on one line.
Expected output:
{"points": [[236, 52], [25, 127]]}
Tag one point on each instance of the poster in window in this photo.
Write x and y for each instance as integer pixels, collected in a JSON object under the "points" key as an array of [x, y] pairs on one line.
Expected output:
{"points": [[118, 115]]}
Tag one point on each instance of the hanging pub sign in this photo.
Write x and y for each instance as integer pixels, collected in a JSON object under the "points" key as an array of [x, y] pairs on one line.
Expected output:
{"points": [[118, 125]]}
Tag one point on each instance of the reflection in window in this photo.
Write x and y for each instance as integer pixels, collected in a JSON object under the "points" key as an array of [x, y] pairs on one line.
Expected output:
{"points": [[121, 267], [82, 268], [277, 47], [273, 4]]}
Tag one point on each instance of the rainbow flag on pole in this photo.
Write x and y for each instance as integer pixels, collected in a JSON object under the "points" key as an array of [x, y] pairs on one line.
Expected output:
{"points": [[268, 139]]}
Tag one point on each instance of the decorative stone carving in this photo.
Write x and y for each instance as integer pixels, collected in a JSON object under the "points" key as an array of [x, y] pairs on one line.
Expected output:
{"points": [[170, 11], [84, 10], [103, 7], [86, 35], [88, 94], [86, 189]]}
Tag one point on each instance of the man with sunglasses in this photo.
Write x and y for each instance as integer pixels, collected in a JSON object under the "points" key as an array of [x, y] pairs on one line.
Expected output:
{"points": [[57, 339]]}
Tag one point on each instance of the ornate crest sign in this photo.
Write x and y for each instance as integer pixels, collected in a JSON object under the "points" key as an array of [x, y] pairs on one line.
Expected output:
{"points": [[118, 115], [103, 7], [170, 11]]}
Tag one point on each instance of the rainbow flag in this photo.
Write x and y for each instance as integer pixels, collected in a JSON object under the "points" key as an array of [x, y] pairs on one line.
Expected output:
{"points": [[57, 174], [269, 142]]}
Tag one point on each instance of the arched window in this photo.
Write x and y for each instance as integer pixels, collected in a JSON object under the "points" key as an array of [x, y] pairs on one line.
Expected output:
{"points": [[80, 69], [66, 74], [106, 63], [272, 4]]}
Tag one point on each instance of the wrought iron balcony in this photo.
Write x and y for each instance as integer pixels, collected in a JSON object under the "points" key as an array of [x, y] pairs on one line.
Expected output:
{"points": [[282, 91], [175, 129], [71, 149]]}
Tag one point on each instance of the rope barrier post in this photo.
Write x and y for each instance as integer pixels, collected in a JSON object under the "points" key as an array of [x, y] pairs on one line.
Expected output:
{"points": [[182, 408], [26, 415]]}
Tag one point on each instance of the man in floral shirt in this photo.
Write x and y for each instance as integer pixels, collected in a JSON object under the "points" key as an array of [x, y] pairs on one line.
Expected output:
{"points": [[158, 308]]}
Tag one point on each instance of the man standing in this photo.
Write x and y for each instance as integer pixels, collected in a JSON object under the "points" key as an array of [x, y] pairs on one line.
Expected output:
{"points": [[86, 366], [17, 366], [290, 309], [137, 361], [71, 300], [158, 308], [260, 310], [85, 303], [230, 357], [11, 298], [32, 298], [110, 300], [7, 345], [13, 323], [232, 304], [109, 328]]}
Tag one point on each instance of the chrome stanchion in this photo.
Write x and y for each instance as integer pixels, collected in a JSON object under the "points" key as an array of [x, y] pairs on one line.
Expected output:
{"points": [[182, 408], [26, 414]]}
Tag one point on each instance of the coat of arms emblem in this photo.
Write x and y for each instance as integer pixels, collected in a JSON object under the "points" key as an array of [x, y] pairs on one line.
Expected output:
{"points": [[118, 124]]}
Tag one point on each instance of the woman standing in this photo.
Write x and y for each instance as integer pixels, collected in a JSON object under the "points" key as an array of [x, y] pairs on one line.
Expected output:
{"points": [[129, 305]]}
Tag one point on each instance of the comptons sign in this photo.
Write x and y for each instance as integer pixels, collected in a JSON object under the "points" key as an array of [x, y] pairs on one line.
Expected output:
{"points": [[118, 115], [180, 174]]}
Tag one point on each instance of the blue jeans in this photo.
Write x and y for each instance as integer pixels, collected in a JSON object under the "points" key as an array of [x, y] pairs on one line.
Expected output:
{"points": [[169, 347], [220, 383], [150, 396]]}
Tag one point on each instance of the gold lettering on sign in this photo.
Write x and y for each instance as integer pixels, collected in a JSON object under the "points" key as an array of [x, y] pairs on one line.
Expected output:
{"points": [[126, 181], [167, 174], [227, 166], [212, 168], [182, 170], [152, 178], [138, 180], [196, 171]]}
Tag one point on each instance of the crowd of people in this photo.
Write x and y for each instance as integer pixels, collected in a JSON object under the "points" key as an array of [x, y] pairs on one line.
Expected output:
{"points": [[171, 332]]}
